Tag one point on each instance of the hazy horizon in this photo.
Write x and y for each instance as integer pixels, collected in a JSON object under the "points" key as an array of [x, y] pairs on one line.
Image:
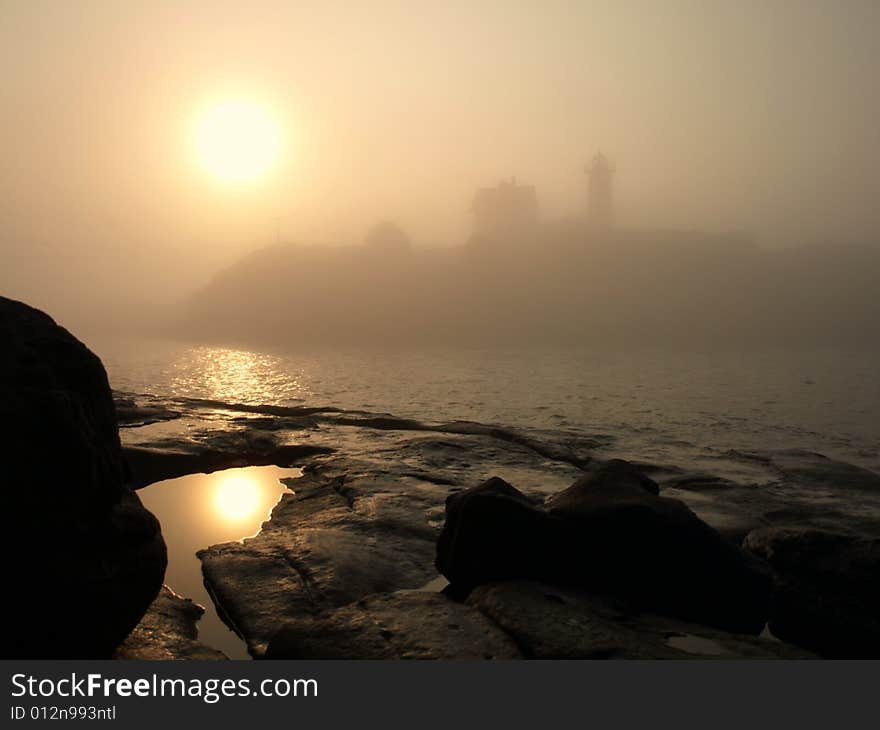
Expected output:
{"points": [[760, 117]]}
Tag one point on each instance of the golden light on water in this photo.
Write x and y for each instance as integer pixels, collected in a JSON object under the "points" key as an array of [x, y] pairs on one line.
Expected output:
{"points": [[239, 376], [198, 510], [237, 498], [238, 141]]}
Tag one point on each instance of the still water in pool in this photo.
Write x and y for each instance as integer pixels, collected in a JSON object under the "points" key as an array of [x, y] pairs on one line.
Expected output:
{"points": [[199, 510]]}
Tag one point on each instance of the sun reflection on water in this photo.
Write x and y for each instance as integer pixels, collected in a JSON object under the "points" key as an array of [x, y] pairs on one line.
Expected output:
{"points": [[237, 376], [237, 498], [199, 510]]}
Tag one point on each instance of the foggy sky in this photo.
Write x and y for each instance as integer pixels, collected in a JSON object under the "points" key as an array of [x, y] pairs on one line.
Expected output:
{"points": [[719, 115]]}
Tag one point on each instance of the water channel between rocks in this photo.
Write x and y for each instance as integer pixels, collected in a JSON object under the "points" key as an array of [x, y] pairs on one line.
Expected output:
{"points": [[199, 510]]}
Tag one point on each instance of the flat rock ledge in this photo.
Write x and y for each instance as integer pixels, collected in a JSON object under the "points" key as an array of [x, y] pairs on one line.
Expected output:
{"points": [[168, 631], [403, 625], [334, 541], [552, 622], [512, 620]]}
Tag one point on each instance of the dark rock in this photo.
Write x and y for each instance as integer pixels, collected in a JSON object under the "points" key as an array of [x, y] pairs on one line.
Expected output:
{"points": [[89, 559], [826, 594], [490, 534], [403, 625], [622, 540], [553, 622], [614, 479], [168, 631]]}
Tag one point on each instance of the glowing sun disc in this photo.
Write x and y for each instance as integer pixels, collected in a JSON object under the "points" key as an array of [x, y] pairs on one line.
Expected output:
{"points": [[236, 498], [237, 141]]}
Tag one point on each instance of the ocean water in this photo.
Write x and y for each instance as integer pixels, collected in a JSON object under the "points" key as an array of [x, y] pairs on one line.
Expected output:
{"points": [[684, 408]]}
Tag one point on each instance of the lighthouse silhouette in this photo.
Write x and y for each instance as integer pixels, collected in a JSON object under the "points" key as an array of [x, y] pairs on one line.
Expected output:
{"points": [[600, 196]]}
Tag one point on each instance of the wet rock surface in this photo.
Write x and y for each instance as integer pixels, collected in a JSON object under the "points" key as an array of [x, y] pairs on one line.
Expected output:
{"points": [[826, 593], [89, 559], [370, 508], [785, 488], [337, 539], [608, 532], [141, 411], [168, 631], [772, 488], [403, 625]]}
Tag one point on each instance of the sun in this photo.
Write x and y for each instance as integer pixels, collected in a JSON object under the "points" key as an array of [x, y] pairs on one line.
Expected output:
{"points": [[236, 498], [237, 141]]}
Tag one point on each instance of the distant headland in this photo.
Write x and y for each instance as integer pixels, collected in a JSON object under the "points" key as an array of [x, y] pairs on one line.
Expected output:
{"points": [[519, 276]]}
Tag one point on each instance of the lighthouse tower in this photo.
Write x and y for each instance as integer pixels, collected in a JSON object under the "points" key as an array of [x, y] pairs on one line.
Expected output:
{"points": [[600, 200]]}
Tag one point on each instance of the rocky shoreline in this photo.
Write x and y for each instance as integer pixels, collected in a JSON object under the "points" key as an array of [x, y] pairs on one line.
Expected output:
{"points": [[407, 539], [352, 563]]}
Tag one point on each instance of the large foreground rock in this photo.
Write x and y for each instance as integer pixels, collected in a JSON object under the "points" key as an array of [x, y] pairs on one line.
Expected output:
{"points": [[826, 594], [610, 533], [403, 625], [551, 622], [85, 558]]}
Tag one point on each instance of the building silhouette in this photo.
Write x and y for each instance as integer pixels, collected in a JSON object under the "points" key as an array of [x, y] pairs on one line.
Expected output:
{"points": [[600, 192], [508, 212], [505, 209]]}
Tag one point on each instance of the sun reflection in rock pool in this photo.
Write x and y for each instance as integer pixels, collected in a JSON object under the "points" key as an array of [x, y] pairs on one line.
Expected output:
{"points": [[199, 510], [237, 498]]}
